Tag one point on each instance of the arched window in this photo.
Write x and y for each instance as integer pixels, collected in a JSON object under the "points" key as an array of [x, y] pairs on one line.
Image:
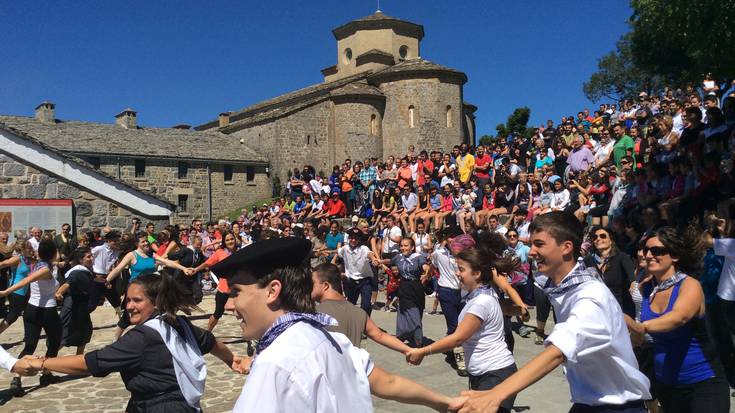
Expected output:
{"points": [[411, 117], [373, 124], [449, 116]]}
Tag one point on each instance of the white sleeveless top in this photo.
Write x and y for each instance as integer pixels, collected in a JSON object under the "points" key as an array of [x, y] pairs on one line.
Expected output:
{"points": [[42, 291]]}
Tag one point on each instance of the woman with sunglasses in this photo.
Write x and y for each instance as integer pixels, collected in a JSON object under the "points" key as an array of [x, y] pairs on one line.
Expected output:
{"points": [[688, 374], [615, 266]]}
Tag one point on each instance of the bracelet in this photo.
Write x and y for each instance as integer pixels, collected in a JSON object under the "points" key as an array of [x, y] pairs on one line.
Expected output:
{"points": [[42, 363], [428, 350]]}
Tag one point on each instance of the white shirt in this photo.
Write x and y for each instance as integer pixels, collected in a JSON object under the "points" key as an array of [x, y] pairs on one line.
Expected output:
{"points": [[42, 291], [486, 350], [443, 260], [499, 230], [357, 262], [34, 243], [725, 247], [591, 333], [104, 259], [308, 370], [6, 360], [560, 200], [388, 244], [603, 152]]}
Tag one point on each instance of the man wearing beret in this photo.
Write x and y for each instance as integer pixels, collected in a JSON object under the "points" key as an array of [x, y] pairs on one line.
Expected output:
{"points": [[299, 365]]}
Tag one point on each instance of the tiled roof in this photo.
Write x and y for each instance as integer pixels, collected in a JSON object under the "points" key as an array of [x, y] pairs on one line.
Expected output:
{"points": [[88, 137], [378, 20], [76, 160], [418, 65]]}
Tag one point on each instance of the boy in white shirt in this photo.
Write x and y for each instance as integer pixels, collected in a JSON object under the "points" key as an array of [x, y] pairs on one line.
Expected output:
{"points": [[590, 338], [299, 366]]}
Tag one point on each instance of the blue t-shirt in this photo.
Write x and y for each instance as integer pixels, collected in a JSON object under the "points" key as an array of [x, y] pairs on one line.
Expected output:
{"points": [[333, 240], [541, 162]]}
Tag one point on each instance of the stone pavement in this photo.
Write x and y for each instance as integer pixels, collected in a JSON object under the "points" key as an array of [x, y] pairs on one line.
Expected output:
{"points": [[100, 395]]}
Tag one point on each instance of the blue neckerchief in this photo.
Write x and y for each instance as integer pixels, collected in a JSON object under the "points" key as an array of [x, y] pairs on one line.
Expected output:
{"points": [[579, 274], [285, 321]]}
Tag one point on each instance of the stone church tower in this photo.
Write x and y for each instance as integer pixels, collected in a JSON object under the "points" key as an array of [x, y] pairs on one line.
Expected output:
{"points": [[380, 97]]}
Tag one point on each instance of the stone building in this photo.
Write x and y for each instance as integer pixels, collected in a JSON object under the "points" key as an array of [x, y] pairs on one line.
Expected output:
{"points": [[200, 174], [378, 98]]}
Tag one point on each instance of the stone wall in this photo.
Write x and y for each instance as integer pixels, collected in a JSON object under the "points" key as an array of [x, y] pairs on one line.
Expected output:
{"points": [[298, 139], [353, 137], [161, 178], [18, 180], [430, 98]]}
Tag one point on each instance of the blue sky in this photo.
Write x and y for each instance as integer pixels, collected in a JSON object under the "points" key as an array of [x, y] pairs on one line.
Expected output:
{"points": [[186, 61]]}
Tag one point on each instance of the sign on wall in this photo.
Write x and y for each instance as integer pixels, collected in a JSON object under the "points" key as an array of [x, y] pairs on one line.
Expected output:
{"points": [[17, 216]]}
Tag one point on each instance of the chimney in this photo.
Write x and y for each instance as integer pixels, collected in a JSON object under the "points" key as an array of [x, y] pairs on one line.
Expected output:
{"points": [[45, 112], [224, 119], [127, 119]]}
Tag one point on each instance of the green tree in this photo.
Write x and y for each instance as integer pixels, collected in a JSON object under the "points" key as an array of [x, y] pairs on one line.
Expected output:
{"points": [[618, 77], [518, 120], [681, 40], [487, 139]]}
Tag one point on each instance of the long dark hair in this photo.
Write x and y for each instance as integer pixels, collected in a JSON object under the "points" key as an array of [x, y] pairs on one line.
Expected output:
{"points": [[488, 254], [686, 245], [167, 295]]}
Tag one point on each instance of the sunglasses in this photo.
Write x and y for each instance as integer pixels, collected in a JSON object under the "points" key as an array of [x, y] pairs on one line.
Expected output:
{"points": [[512, 236], [655, 251], [600, 236]]}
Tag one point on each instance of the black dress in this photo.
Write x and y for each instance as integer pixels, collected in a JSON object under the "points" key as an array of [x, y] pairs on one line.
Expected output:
{"points": [[146, 367], [75, 311], [618, 275]]}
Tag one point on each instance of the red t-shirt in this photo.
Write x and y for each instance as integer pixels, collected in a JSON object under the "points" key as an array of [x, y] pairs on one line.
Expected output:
{"points": [[336, 208], [482, 161]]}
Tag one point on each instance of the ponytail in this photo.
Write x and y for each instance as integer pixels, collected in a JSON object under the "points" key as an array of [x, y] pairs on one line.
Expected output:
{"points": [[168, 296]]}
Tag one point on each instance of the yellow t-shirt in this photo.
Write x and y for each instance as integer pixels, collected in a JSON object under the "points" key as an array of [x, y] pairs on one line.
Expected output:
{"points": [[464, 166]]}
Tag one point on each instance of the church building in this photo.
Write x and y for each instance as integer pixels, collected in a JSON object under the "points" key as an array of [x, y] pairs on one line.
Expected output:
{"points": [[380, 97]]}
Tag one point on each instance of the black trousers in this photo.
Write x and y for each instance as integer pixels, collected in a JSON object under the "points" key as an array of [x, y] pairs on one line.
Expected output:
{"points": [[17, 305], [36, 319], [492, 378], [630, 407], [711, 395], [220, 299]]}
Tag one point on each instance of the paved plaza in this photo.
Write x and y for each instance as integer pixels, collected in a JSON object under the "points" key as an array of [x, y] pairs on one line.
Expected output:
{"points": [[100, 395]]}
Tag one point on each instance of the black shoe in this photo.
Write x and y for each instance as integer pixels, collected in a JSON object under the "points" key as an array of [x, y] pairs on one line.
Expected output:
{"points": [[16, 388], [47, 379], [462, 373]]}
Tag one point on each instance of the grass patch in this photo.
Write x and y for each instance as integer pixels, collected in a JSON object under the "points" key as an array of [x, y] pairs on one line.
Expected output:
{"points": [[232, 216]]}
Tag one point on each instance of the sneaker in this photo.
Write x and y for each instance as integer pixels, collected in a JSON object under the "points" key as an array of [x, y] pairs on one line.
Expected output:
{"points": [[376, 306], [524, 331], [538, 340], [47, 379], [16, 388], [432, 312]]}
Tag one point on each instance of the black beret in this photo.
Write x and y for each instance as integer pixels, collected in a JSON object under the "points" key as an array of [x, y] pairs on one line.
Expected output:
{"points": [[264, 256]]}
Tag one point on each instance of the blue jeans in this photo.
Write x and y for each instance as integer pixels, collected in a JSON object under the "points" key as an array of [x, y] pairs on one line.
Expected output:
{"points": [[360, 288], [450, 301]]}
